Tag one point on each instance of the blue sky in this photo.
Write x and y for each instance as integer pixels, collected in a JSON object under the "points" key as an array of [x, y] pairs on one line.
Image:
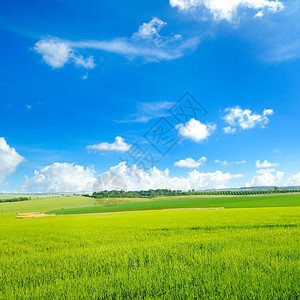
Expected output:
{"points": [[76, 75]]}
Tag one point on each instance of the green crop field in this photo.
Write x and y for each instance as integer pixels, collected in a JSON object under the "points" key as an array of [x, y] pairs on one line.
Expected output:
{"points": [[250, 252], [113, 205], [44, 204]]}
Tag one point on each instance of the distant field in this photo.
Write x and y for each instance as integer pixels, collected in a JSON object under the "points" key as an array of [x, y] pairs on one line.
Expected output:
{"points": [[32, 196], [80, 204], [115, 205], [208, 254], [44, 204]]}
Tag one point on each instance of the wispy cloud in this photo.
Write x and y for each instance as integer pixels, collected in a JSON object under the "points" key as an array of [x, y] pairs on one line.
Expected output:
{"points": [[147, 111], [146, 44], [228, 163], [283, 51], [279, 37]]}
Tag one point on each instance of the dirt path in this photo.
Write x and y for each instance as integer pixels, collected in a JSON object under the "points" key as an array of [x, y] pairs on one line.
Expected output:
{"points": [[33, 215]]}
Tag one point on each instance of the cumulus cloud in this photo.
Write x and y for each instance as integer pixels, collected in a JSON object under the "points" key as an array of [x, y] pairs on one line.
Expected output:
{"points": [[132, 178], [237, 117], [190, 163], [66, 177], [195, 130], [227, 163], [294, 180], [146, 43], [61, 177], [150, 30], [266, 164], [56, 53], [228, 9], [118, 145], [266, 177], [9, 159]]}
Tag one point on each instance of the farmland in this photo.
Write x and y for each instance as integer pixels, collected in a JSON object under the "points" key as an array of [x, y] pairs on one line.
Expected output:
{"points": [[245, 251], [43, 204], [114, 205], [32, 196]]}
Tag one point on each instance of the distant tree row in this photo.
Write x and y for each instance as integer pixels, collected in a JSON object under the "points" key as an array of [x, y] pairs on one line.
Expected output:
{"points": [[15, 199], [166, 192]]}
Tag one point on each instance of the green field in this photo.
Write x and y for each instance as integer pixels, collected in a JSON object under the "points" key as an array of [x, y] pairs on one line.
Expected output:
{"points": [[114, 205], [44, 204], [233, 253], [32, 196]]}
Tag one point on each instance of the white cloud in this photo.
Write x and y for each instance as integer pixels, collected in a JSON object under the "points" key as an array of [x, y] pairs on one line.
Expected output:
{"points": [[266, 164], [168, 49], [132, 178], [268, 112], [9, 159], [56, 53], [237, 117], [227, 163], [66, 177], [147, 111], [60, 177], [118, 145], [266, 177], [228, 9], [286, 48], [190, 163], [229, 130], [259, 14], [150, 30], [195, 130], [147, 44], [223, 163], [87, 63], [294, 180], [279, 38]]}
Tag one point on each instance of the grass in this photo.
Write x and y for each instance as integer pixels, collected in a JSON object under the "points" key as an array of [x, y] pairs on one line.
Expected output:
{"points": [[32, 196], [80, 204], [44, 204], [114, 205], [209, 254]]}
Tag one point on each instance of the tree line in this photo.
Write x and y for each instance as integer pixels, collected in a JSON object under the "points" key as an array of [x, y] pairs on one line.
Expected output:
{"points": [[15, 199], [165, 192]]}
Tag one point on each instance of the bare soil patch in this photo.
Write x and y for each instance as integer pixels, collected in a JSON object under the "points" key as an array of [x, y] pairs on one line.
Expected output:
{"points": [[33, 215]]}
